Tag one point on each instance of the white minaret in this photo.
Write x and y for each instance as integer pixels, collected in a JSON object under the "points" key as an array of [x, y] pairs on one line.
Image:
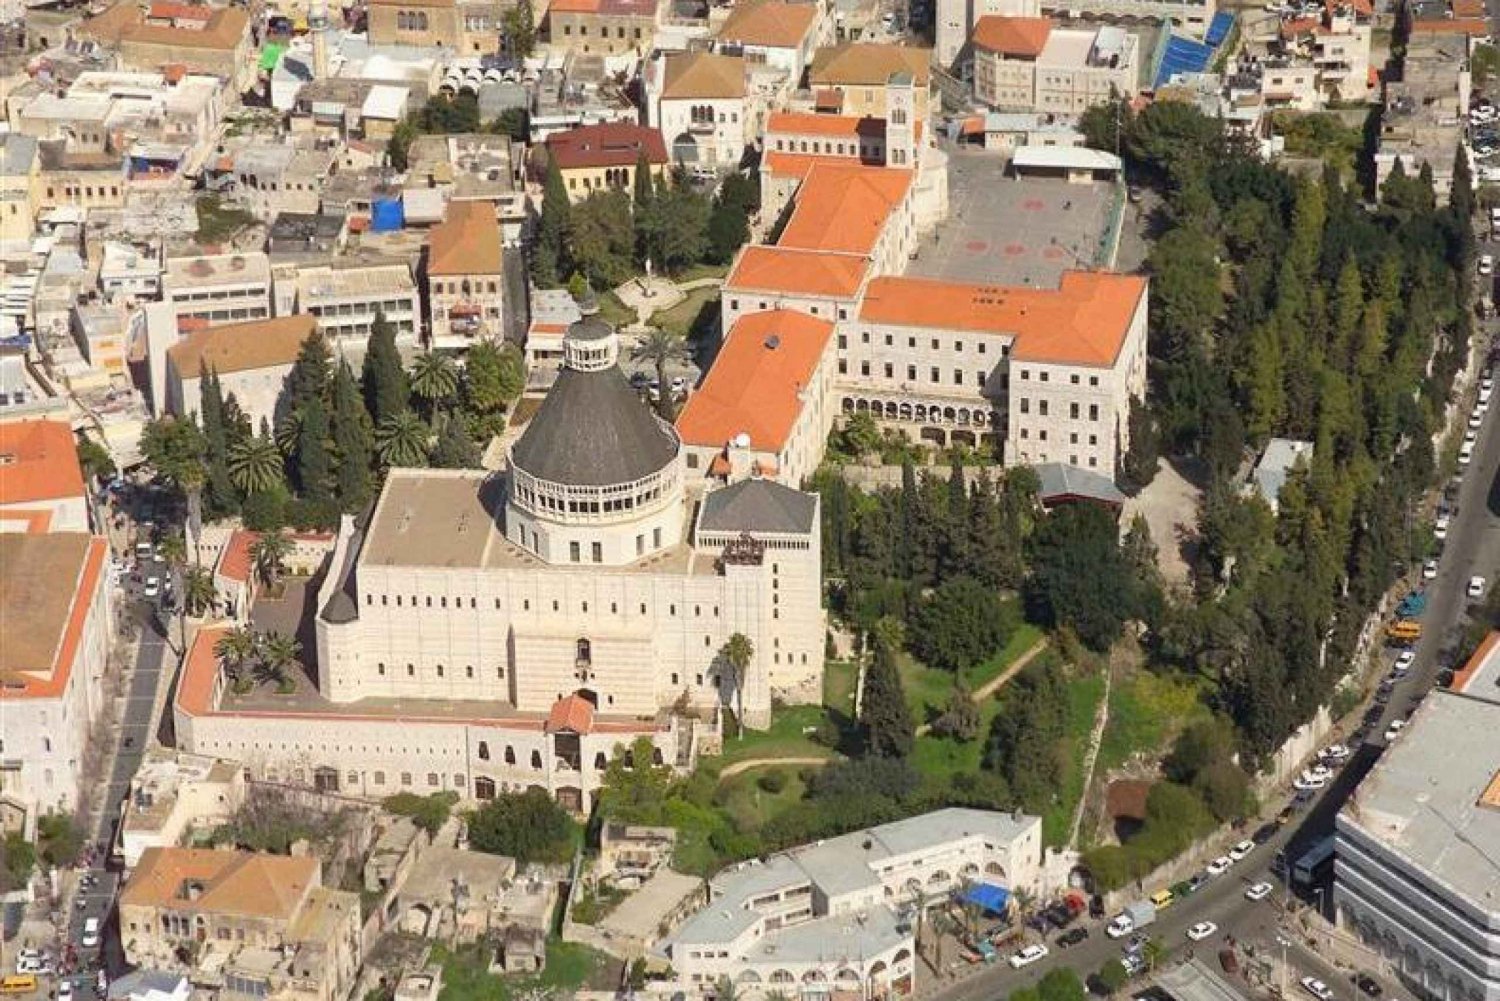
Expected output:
{"points": [[317, 24], [901, 121]]}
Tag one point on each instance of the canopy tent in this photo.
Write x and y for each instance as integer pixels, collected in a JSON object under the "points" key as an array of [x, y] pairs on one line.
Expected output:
{"points": [[988, 897]]}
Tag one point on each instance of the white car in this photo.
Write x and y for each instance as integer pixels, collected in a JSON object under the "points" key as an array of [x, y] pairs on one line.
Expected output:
{"points": [[1394, 730], [1404, 661], [1476, 420], [153, 587], [1201, 931], [1242, 850], [1429, 570], [90, 933], [1334, 752], [1028, 955], [29, 964], [1486, 262], [1219, 866], [1465, 455], [1440, 527], [1308, 783], [1317, 988], [1476, 586], [1318, 771], [1258, 891], [64, 990], [1471, 437]]}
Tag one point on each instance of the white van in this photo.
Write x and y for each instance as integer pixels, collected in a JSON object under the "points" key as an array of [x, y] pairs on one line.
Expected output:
{"points": [[90, 933], [1466, 453]]}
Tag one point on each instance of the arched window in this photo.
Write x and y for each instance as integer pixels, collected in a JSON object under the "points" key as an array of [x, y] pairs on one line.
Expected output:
{"points": [[584, 651], [510, 755], [484, 788], [536, 760], [484, 750], [600, 762]]}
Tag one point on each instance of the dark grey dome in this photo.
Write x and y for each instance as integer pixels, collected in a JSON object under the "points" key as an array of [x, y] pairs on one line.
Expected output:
{"points": [[592, 430], [590, 328]]}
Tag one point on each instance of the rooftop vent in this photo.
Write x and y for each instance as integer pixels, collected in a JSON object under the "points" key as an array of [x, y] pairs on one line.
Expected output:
{"points": [[773, 342]]}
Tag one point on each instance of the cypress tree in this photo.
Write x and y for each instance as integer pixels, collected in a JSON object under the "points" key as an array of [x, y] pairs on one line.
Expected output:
{"points": [[549, 261], [643, 209], [352, 441], [454, 448], [219, 495], [889, 732], [385, 386], [314, 465], [310, 373]]}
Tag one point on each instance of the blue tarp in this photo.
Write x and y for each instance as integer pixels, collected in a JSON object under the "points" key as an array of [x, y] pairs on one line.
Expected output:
{"points": [[1218, 28], [387, 215], [993, 899], [1183, 55]]}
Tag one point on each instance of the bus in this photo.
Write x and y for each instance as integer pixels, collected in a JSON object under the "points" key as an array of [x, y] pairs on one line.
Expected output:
{"points": [[21, 983], [1313, 863]]}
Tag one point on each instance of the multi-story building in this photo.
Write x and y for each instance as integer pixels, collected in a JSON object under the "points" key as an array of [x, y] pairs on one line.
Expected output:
{"points": [[464, 275], [1319, 59], [955, 21], [41, 483], [603, 27], [572, 605], [219, 288], [859, 72], [251, 360], [1426, 111], [604, 157], [1414, 857], [242, 923], [80, 180], [781, 34], [1028, 64], [463, 27], [696, 100], [20, 188], [172, 795], [218, 46], [346, 296], [838, 917]]}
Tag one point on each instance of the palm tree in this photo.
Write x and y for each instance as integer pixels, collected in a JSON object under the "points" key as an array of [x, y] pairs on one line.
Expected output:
{"points": [[278, 653], [254, 464], [235, 650], [433, 377], [660, 348], [288, 431], [737, 654], [402, 440], [173, 551], [268, 554], [198, 591]]}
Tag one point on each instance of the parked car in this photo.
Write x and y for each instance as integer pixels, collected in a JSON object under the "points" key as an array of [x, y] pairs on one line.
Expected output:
{"points": [[1030, 954], [1309, 783], [1367, 985], [1394, 730], [1430, 570], [1338, 752], [1317, 988], [1072, 937], [1201, 931], [1476, 586], [1219, 866], [1264, 833], [1404, 661], [1241, 850], [1258, 891]]}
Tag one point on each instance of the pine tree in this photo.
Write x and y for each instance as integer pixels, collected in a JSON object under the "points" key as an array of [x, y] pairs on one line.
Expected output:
{"points": [[549, 260], [352, 440], [954, 558], [889, 732], [219, 496], [310, 372], [454, 448], [314, 465], [385, 386]]}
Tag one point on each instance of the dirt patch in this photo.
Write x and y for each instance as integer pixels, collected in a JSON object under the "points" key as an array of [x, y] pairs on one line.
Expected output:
{"points": [[1126, 799], [1170, 506]]}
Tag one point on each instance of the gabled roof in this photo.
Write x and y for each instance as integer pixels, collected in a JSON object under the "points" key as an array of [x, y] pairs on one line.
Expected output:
{"points": [[1023, 37], [797, 272], [770, 24], [613, 144], [214, 882], [757, 383], [759, 506], [802, 123], [703, 75], [574, 714], [47, 588], [1083, 321], [868, 64], [466, 242], [844, 207], [241, 347], [38, 462], [234, 561]]}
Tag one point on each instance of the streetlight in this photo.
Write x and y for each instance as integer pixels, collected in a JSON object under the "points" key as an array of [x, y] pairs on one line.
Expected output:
{"points": [[1282, 941], [1318, 892]]}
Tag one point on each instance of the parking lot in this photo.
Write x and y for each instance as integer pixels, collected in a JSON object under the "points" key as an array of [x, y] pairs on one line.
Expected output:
{"points": [[1009, 231]]}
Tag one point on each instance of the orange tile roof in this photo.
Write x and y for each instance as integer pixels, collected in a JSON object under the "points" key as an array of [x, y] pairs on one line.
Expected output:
{"points": [[868, 64], [466, 242], [770, 23], [703, 75], [223, 31], [797, 272], [27, 521], [612, 144], [47, 588], [38, 461], [1082, 322], [844, 207], [1012, 36], [241, 347], [246, 884], [755, 385], [169, 10], [802, 123], [573, 713], [1466, 673], [791, 164], [1450, 26], [828, 99], [1468, 8], [234, 561]]}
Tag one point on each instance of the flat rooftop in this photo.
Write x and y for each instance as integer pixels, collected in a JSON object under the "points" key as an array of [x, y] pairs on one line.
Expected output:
{"points": [[217, 269], [1433, 797], [359, 279]]}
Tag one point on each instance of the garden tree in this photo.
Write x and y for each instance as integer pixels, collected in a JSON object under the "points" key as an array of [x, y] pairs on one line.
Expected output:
{"points": [[736, 655], [1113, 975], [729, 220], [278, 655], [255, 465], [236, 650], [176, 449], [1104, 125], [454, 448], [1080, 577], [311, 373], [441, 115], [314, 466], [289, 433], [660, 347], [960, 719], [1225, 789], [219, 496], [643, 208], [680, 227], [1060, 983], [601, 241], [518, 28], [1025, 734], [1198, 746], [961, 623], [266, 511], [433, 378], [860, 435], [385, 389], [429, 813], [635, 787], [198, 590], [527, 826], [549, 259], [493, 377], [19, 861], [172, 549], [887, 722], [1138, 464], [1187, 291], [402, 440], [353, 444], [268, 555], [94, 458]]}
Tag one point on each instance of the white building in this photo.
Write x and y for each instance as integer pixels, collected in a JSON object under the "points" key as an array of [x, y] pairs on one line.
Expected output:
{"points": [[837, 917], [697, 101], [171, 795], [251, 360], [781, 34], [1414, 865], [345, 298], [955, 21], [1028, 64], [578, 602], [223, 288]]}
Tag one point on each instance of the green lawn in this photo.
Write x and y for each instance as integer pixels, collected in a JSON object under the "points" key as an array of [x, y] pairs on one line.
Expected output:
{"points": [[614, 312], [1084, 696], [570, 966], [945, 757], [1145, 710], [682, 318], [749, 806], [928, 688], [701, 271], [839, 679], [784, 739]]}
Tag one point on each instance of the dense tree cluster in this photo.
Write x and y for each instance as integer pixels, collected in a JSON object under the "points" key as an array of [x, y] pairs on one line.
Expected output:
{"points": [[528, 826]]}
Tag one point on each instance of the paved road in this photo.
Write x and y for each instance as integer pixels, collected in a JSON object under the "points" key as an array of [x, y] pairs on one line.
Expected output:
{"points": [[1473, 546]]}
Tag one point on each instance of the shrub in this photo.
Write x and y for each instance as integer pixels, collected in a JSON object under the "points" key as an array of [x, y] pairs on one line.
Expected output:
{"points": [[772, 781]]}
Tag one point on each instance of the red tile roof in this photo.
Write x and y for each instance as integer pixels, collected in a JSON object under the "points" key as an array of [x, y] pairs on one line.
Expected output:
{"points": [[843, 207], [573, 713], [28, 671], [38, 461], [466, 242], [769, 24], [1023, 37], [757, 381], [235, 562], [610, 145], [801, 123], [1082, 322], [797, 272], [168, 10]]}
